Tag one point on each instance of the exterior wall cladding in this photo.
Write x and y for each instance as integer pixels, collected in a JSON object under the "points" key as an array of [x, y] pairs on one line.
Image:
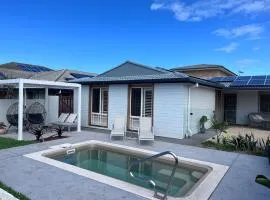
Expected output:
{"points": [[170, 107]]}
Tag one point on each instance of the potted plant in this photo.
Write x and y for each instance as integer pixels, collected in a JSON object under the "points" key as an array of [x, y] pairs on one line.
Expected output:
{"points": [[203, 120], [3, 128]]}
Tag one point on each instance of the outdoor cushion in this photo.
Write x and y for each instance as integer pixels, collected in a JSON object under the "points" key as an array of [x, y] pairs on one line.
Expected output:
{"points": [[259, 117]]}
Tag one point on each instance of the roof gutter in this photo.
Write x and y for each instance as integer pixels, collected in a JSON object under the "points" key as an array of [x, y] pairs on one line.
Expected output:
{"points": [[173, 80]]}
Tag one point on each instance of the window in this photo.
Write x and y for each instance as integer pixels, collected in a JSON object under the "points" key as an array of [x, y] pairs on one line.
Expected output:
{"points": [[265, 103], [141, 102], [95, 100], [136, 101], [104, 100], [147, 110], [100, 100]]}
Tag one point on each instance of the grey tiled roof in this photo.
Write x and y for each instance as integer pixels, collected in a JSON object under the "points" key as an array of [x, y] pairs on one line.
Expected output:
{"points": [[129, 68], [156, 78], [130, 72]]}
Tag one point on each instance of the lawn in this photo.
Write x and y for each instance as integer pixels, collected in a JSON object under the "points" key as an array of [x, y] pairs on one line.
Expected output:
{"points": [[8, 143], [12, 192]]}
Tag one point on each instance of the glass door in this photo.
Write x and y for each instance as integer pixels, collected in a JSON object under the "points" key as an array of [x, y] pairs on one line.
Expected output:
{"points": [[230, 101], [99, 108], [141, 100]]}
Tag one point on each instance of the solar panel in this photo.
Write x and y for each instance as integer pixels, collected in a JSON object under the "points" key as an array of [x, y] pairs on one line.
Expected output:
{"points": [[243, 78], [30, 68], [229, 78], [239, 83], [267, 82], [216, 79], [256, 82], [259, 77]]}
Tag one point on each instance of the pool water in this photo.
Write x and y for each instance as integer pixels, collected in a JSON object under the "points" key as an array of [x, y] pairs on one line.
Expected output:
{"points": [[116, 164]]}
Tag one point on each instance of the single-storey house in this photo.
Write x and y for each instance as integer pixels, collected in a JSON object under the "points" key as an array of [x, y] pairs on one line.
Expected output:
{"points": [[174, 101], [241, 96]]}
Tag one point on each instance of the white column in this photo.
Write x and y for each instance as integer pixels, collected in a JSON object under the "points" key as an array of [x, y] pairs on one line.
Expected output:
{"points": [[20, 111], [79, 109], [46, 104]]}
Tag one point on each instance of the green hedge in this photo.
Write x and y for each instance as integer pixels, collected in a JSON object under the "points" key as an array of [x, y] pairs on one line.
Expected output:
{"points": [[18, 195], [8, 143]]}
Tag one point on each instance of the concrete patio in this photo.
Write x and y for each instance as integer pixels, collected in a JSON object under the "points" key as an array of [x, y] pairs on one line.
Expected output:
{"points": [[41, 181]]}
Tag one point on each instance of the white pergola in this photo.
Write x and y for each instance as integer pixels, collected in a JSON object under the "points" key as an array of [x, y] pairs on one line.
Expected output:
{"points": [[28, 83]]}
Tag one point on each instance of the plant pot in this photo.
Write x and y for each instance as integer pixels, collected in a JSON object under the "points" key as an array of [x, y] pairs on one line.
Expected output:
{"points": [[202, 130], [3, 131]]}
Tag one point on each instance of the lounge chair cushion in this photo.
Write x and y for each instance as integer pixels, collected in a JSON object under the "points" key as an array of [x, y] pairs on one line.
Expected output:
{"points": [[71, 118], [63, 117], [259, 117]]}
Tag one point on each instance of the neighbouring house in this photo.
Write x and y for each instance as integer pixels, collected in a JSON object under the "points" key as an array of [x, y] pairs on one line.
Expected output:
{"points": [[174, 101], [15, 70], [62, 98], [205, 70], [241, 96]]}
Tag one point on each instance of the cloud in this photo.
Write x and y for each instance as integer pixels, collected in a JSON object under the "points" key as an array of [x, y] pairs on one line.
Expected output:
{"points": [[252, 31], [256, 48], [229, 48], [201, 9], [247, 62]]}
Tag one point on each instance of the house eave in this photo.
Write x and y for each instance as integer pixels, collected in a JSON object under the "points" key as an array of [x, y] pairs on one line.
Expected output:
{"points": [[172, 80]]}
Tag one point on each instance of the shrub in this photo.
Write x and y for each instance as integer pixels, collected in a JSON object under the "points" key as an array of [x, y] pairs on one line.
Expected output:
{"points": [[220, 127]]}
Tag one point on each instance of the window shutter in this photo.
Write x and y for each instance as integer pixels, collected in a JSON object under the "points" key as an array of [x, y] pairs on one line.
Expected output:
{"points": [[148, 100]]}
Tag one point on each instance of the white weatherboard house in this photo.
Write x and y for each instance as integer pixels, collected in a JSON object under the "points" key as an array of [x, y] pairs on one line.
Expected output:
{"points": [[174, 101]]}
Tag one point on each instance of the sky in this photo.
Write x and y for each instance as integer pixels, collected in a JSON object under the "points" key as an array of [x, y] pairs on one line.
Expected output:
{"points": [[97, 35]]}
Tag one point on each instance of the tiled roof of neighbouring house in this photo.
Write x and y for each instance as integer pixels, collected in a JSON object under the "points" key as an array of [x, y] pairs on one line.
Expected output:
{"points": [[25, 67], [203, 66], [13, 74], [15, 70], [61, 75]]}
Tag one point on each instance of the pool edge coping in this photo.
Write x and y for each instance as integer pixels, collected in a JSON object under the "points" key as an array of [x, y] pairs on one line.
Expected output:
{"points": [[202, 191]]}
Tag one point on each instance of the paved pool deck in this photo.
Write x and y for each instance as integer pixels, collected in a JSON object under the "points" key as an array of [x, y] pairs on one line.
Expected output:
{"points": [[40, 181]]}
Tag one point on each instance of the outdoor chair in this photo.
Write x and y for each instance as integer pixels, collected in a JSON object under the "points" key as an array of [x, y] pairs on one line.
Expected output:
{"points": [[70, 121], [255, 120], [259, 120], [36, 114], [12, 115], [118, 127], [145, 131]]}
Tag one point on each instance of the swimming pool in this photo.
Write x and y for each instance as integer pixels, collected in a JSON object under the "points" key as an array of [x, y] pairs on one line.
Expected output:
{"points": [[110, 164]]}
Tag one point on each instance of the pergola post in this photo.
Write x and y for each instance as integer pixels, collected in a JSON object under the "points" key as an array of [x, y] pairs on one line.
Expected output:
{"points": [[79, 108], [20, 111]]}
